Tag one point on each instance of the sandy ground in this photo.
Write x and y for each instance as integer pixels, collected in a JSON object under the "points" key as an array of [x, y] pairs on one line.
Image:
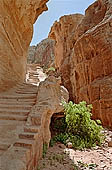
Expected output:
{"points": [[59, 157]]}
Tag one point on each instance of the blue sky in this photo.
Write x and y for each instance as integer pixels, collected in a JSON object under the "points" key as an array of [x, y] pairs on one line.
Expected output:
{"points": [[56, 9]]}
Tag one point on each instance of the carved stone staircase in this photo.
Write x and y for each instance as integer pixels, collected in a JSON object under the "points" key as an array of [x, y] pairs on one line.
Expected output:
{"points": [[20, 143], [16, 137], [15, 107], [25, 120]]}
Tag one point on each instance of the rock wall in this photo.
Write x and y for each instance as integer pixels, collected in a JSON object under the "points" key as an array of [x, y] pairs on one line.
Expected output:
{"points": [[86, 67], [63, 33], [43, 53], [16, 28], [31, 52]]}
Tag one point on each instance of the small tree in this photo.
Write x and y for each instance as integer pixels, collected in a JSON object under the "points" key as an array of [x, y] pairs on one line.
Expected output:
{"points": [[83, 132]]}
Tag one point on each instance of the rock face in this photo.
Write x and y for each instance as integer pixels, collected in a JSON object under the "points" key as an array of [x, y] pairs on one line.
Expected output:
{"points": [[63, 33], [16, 24], [43, 53], [87, 68], [47, 104], [31, 52]]}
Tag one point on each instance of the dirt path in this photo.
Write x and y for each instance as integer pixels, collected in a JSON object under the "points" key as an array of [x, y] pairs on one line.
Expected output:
{"points": [[59, 157]]}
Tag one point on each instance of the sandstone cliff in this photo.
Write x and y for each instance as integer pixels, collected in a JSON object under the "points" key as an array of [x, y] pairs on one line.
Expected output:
{"points": [[43, 53], [86, 65], [16, 28], [63, 33]]}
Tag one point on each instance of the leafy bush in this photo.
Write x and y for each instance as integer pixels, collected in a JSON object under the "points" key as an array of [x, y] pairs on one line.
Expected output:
{"points": [[61, 137], [82, 131], [51, 69]]}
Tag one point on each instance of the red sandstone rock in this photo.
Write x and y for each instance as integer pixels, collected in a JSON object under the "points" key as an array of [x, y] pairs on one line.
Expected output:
{"points": [[86, 64], [43, 53], [16, 28], [63, 33]]}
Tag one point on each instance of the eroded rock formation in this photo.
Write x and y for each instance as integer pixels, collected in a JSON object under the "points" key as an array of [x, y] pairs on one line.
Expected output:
{"points": [[43, 53], [63, 33], [86, 65], [16, 28]]}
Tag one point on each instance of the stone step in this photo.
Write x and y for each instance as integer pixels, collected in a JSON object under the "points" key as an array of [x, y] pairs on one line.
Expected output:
{"points": [[32, 129], [25, 85], [25, 92], [16, 148], [24, 143], [11, 102], [10, 122], [20, 153], [19, 96], [29, 86], [13, 112], [1, 152], [17, 100], [15, 106], [12, 117], [4, 146], [27, 135], [34, 77]]}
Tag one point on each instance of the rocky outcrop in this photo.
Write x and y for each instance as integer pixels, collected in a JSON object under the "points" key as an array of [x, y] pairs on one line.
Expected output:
{"points": [[63, 33], [47, 105], [16, 28], [87, 69], [43, 53]]}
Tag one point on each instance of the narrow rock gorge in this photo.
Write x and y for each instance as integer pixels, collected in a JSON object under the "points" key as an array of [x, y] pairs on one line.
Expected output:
{"points": [[26, 107], [80, 47], [83, 55]]}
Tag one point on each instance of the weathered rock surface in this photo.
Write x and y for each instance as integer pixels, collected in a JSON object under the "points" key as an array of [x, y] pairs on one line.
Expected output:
{"points": [[16, 28], [43, 53], [86, 67], [31, 52], [63, 33], [25, 115]]}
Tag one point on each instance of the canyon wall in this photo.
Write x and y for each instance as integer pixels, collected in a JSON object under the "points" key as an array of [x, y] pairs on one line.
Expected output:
{"points": [[16, 28], [85, 58], [42, 53], [63, 34]]}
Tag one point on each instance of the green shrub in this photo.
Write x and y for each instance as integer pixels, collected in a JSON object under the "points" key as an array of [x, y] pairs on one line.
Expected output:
{"points": [[61, 137], [82, 131], [51, 69]]}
